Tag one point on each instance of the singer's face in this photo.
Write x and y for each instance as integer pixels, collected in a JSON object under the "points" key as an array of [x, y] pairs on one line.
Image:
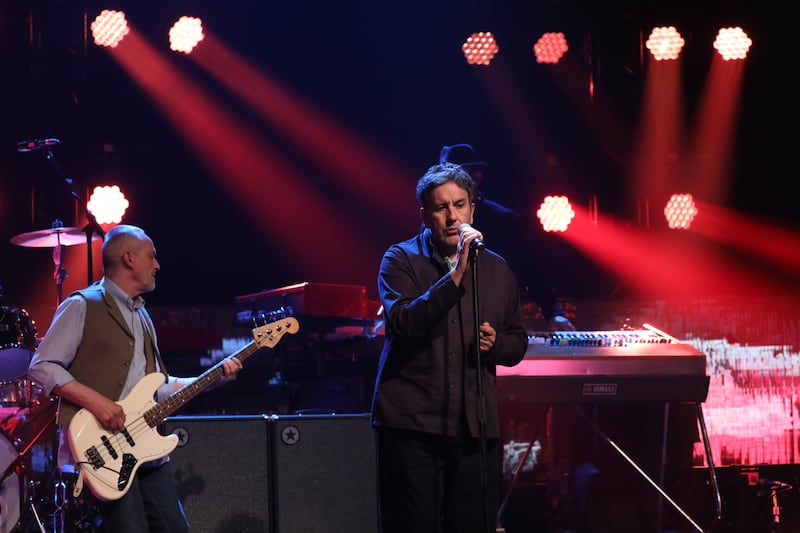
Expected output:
{"points": [[447, 207]]}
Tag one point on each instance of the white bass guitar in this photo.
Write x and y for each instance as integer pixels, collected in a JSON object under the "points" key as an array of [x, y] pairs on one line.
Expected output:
{"points": [[109, 461]]}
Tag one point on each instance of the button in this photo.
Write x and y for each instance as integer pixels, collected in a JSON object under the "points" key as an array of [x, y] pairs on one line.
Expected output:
{"points": [[130, 343]]}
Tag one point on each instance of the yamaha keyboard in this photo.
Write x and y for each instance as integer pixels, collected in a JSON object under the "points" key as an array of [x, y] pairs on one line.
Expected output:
{"points": [[623, 366]]}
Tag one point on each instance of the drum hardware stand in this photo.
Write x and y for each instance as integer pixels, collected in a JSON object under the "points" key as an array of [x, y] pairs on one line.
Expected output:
{"points": [[17, 466], [58, 252], [36, 517], [92, 226], [60, 504]]}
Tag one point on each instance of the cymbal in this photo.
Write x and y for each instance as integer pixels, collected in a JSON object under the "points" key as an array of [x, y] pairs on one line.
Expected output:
{"points": [[50, 238]]}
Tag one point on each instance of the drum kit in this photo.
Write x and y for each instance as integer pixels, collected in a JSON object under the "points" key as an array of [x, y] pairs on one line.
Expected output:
{"points": [[33, 495]]}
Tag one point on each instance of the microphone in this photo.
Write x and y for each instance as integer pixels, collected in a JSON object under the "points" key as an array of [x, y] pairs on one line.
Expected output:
{"points": [[476, 244], [778, 485], [33, 145]]}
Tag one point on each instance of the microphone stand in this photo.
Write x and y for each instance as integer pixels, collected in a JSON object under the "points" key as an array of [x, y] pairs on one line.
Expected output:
{"points": [[480, 401], [92, 226]]}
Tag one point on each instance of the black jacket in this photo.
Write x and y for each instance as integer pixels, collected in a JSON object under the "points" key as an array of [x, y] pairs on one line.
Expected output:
{"points": [[426, 376]]}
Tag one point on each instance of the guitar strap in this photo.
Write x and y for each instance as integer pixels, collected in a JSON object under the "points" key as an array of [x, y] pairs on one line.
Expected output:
{"points": [[151, 352]]}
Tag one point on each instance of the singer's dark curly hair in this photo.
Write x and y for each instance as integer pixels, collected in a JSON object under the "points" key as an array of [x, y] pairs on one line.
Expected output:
{"points": [[440, 174]]}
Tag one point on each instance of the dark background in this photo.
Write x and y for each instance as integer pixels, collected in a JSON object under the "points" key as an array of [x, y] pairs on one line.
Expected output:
{"points": [[391, 71]]}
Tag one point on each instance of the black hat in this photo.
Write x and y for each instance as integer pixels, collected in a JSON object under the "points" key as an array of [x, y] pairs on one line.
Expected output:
{"points": [[461, 154]]}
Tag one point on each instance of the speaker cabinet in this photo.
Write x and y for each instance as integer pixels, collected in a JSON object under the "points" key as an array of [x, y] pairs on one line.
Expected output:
{"points": [[221, 467], [324, 478]]}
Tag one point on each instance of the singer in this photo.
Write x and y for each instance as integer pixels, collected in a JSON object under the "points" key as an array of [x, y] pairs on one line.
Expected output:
{"points": [[430, 476], [514, 240]]}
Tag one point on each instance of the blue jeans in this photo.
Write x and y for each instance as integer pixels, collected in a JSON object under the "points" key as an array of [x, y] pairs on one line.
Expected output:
{"points": [[150, 505]]}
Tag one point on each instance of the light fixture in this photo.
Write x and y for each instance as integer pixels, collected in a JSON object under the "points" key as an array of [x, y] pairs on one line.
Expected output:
{"points": [[186, 34], [550, 47], [480, 48], [732, 43], [107, 204], [555, 213], [109, 28], [680, 211], [665, 43]]}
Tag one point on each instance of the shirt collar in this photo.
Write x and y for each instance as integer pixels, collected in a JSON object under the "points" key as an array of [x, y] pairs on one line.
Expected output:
{"points": [[132, 304], [430, 250]]}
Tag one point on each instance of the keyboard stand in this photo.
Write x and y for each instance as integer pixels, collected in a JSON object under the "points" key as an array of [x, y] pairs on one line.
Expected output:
{"points": [[643, 474]]}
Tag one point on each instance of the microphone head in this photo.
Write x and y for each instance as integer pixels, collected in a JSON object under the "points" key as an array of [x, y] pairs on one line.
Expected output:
{"points": [[28, 146], [33, 145]]}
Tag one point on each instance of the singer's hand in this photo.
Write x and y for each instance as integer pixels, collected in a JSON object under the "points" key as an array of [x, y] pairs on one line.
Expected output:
{"points": [[475, 237], [487, 337], [466, 235], [467, 238]]}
